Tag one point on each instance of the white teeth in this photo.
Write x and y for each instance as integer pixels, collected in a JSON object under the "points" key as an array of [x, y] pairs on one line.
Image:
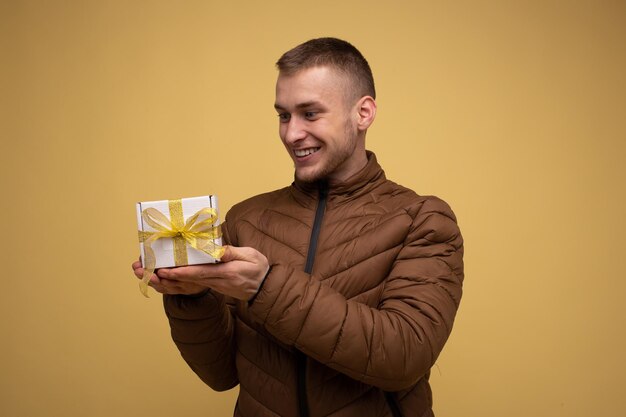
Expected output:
{"points": [[305, 152]]}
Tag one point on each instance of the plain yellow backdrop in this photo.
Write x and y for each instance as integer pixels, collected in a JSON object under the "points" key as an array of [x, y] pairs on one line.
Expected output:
{"points": [[513, 112]]}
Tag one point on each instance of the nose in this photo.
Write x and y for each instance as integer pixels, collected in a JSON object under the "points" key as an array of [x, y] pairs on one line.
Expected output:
{"points": [[293, 131]]}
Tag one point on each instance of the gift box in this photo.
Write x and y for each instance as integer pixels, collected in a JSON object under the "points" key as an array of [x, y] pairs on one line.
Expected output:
{"points": [[177, 233]]}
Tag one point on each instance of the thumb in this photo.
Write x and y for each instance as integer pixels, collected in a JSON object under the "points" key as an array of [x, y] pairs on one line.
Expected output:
{"points": [[230, 253], [234, 253]]}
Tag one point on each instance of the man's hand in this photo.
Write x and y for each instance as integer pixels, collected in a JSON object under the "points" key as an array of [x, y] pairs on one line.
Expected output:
{"points": [[238, 275], [165, 286]]}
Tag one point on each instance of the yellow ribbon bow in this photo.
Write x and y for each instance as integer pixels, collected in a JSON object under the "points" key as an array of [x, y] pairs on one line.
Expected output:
{"points": [[199, 234]]}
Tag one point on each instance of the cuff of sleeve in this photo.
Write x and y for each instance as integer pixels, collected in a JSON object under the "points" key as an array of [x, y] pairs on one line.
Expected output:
{"points": [[191, 307], [196, 295], [269, 292], [251, 300], [281, 295]]}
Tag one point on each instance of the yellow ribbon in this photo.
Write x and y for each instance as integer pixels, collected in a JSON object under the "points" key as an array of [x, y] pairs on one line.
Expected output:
{"points": [[199, 234]]}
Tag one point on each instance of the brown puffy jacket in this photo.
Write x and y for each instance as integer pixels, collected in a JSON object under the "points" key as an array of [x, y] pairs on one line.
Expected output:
{"points": [[355, 337]]}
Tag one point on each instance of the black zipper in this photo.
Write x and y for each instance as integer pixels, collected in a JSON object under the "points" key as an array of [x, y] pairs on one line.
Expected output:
{"points": [[317, 226], [301, 359]]}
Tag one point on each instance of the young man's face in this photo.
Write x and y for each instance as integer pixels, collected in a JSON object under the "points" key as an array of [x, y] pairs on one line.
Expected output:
{"points": [[318, 124]]}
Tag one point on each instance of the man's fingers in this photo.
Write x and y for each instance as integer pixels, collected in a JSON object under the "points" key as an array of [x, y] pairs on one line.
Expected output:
{"points": [[137, 268], [239, 275], [165, 281], [234, 253], [229, 253], [192, 272], [166, 286], [220, 269], [138, 271], [173, 273]]}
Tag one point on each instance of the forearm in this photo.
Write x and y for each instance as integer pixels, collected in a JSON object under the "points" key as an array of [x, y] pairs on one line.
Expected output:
{"points": [[392, 340], [390, 347], [202, 329]]}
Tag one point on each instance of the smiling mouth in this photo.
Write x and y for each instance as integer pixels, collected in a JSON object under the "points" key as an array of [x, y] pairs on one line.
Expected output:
{"points": [[305, 152]]}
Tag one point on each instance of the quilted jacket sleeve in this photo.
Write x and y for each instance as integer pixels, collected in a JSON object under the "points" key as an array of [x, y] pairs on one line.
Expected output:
{"points": [[203, 330], [391, 346]]}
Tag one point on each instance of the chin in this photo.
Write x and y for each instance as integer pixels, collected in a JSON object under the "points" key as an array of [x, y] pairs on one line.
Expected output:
{"points": [[306, 178], [309, 176]]}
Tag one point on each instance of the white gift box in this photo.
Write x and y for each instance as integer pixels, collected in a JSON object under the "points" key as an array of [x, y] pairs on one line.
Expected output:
{"points": [[164, 247]]}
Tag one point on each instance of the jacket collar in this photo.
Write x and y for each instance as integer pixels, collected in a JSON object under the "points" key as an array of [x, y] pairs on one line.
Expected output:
{"points": [[362, 182]]}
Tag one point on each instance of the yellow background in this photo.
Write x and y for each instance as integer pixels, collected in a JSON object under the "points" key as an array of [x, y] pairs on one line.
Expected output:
{"points": [[513, 112]]}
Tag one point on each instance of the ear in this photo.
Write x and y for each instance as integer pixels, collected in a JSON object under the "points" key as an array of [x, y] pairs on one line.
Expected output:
{"points": [[366, 112]]}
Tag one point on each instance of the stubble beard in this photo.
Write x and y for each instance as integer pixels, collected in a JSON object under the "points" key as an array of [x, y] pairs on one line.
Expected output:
{"points": [[336, 160]]}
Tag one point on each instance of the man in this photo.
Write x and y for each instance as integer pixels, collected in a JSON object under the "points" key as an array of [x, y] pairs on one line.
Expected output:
{"points": [[336, 294]]}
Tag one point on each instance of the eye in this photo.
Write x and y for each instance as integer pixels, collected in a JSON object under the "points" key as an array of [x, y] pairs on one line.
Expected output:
{"points": [[284, 117], [310, 115]]}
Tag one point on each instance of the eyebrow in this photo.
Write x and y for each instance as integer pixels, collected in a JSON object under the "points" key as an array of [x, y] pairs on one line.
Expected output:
{"points": [[304, 105]]}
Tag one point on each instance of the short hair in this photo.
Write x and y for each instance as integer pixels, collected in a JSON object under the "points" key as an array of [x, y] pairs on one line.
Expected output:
{"points": [[335, 53]]}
